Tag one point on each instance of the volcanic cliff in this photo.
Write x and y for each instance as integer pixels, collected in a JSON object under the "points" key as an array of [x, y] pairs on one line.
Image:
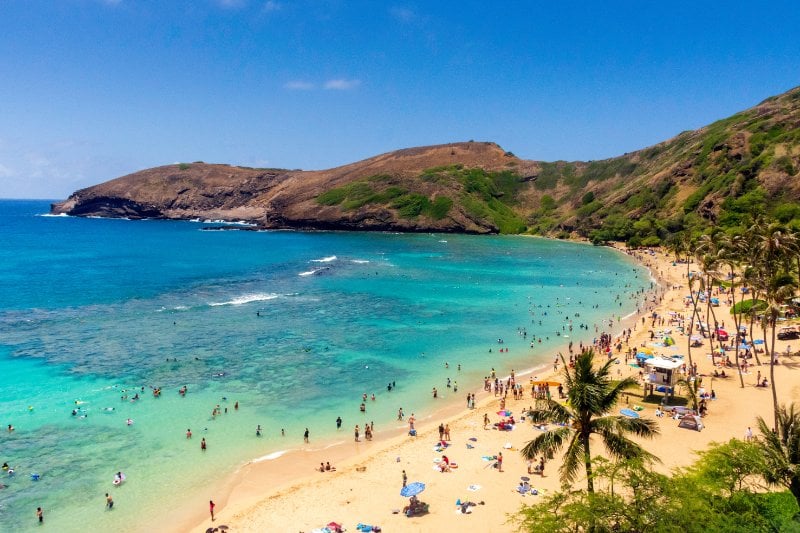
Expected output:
{"points": [[719, 174]]}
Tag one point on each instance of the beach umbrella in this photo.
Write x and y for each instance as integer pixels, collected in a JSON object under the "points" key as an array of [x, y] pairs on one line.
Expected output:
{"points": [[630, 413], [504, 413], [696, 338], [412, 489], [525, 478], [758, 341], [744, 347]]}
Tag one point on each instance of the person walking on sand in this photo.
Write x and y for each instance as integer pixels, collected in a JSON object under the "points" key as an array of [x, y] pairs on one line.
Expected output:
{"points": [[405, 478], [356, 432], [211, 506], [500, 462], [447, 432]]}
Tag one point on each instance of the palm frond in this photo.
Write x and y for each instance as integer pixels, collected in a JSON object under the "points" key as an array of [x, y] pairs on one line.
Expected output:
{"points": [[547, 444], [620, 447], [572, 460], [550, 411]]}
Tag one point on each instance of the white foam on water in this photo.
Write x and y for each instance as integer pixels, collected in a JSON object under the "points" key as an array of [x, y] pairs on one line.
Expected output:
{"points": [[51, 215], [247, 298], [359, 261], [314, 271], [270, 456], [324, 259]]}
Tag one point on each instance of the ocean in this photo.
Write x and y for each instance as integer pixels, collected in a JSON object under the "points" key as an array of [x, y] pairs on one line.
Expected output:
{"points": [[293, 327]]}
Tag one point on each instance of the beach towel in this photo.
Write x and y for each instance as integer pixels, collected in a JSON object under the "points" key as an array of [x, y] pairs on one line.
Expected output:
{"points": [[474, 488]]}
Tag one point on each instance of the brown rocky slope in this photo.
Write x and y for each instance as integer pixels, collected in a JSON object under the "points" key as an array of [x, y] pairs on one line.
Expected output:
{"points": [[716, 175], [273, 198]]}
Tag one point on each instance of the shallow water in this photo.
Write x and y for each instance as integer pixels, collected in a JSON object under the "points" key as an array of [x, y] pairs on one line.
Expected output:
{"points": [[294, 326]]}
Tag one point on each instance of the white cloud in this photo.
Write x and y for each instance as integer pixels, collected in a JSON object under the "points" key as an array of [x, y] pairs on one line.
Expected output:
{"points": [[5, 172], [231, 4], [271, 5], [298, 85], [342, 84], [403, 14]]}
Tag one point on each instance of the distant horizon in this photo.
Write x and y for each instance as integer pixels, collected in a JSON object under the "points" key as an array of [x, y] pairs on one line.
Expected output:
{"points": [[97, 89]]}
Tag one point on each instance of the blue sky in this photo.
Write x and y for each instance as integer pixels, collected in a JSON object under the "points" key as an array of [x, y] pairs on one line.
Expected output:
{"points": [[94, 89]]}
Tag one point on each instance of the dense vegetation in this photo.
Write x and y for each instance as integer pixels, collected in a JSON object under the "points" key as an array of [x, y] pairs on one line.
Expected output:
{"points": [[722, 176], [722, 491], [483, 195]]}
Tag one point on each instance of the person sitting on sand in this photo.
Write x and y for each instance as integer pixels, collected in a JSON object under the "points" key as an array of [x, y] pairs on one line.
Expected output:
{"points": [[329, 468], [322, 467]]}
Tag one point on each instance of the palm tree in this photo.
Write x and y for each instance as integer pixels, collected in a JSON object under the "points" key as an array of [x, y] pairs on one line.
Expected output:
{"points": [[730, 258], [692, 390], [591, 394], [774, 250], [781, 449]]}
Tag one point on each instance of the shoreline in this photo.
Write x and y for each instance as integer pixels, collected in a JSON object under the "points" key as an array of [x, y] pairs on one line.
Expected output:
{"points": [[260, 480]]}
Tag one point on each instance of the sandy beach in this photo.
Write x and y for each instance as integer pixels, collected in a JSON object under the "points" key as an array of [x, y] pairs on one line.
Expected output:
{"points": [[287, 493]]}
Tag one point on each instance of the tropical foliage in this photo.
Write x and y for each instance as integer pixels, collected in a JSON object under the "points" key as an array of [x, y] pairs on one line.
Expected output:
{"points": [[591, 394], [760, 267], [720, 492], [781, 450]]}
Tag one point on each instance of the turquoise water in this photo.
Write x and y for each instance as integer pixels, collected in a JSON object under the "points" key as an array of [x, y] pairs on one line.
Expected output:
{"points": [[294, 326]]}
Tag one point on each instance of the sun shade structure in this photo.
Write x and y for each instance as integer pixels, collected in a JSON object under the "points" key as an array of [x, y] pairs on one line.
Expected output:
{"points": [[412, 489]]}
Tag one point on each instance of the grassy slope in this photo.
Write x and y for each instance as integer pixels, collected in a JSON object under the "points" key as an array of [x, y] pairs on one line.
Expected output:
{"points": [[716, 175]]}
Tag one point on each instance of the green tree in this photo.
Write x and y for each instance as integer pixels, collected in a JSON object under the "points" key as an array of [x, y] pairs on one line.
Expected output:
{"points": [[591, 394], [773, 255], [781, 449]]}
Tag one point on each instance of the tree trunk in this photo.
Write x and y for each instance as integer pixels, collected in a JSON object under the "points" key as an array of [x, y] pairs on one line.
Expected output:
{"points": [[750, 332], [794, 488], [772, 375], [737, 319], [587, 459]]}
